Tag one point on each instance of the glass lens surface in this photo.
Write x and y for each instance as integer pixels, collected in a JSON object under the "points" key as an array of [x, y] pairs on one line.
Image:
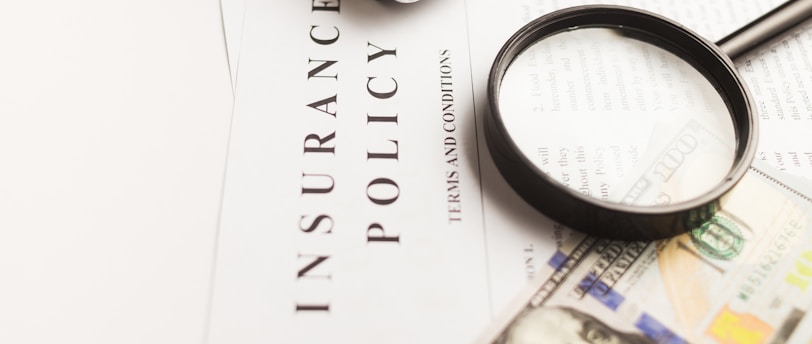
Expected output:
{"points": [[617, 118]]}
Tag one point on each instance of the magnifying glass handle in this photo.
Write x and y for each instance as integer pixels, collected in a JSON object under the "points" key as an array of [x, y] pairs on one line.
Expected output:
{"points": [[766, 27]]}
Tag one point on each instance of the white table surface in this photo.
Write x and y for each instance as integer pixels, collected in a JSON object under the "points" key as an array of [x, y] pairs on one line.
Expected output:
{"points": [[114, 123]]}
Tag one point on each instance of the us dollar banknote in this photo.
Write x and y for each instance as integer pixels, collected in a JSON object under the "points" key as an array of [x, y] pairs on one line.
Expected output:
{"points": [[683, 162], [743, 277]]}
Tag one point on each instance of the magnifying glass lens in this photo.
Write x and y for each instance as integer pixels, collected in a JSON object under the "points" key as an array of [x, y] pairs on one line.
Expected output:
{"points": [[616, 118]]}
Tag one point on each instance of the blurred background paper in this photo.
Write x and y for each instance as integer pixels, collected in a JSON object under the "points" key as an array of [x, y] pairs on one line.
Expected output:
{"points": [[114, 120]]}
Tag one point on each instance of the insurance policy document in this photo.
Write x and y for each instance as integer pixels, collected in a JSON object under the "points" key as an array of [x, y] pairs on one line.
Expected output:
{"points": [[360, 200], [352, 210]]}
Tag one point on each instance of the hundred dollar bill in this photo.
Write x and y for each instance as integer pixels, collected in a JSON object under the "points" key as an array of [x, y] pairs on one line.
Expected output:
{"points": [[689, 159], [743, 277]]}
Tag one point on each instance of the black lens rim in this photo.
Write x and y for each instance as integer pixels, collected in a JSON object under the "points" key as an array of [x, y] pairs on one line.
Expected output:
{"points": [[590, 215]]}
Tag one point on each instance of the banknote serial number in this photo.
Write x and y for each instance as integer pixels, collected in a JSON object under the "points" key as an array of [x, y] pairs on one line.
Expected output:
{"points": [[778, 248]]}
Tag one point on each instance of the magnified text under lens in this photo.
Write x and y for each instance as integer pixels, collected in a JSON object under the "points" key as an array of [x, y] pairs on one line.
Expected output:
{"points": [[616, 118]]}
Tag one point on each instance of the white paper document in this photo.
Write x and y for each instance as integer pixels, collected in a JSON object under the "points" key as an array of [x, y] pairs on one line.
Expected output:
{"points": [[352, 210], [361, 203]]}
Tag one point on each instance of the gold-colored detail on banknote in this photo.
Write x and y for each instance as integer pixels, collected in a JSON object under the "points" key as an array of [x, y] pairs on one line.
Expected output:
{"points": [[732, 327]]}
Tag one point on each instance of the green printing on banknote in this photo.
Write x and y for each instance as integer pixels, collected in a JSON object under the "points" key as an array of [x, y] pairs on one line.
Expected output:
{"points": [[718, 238], [745, 276]]}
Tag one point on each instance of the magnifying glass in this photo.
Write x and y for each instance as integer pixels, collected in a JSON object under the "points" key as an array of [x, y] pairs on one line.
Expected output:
{"points": [[621, 123]]}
